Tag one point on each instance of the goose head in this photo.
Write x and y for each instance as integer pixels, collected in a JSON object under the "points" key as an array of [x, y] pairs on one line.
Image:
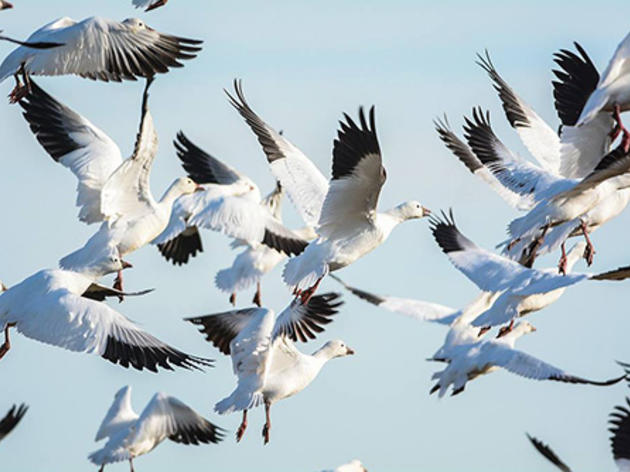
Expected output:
{"points": [[336, 348], [411, 210], [518, 330], [352, 466], [136, 24]]}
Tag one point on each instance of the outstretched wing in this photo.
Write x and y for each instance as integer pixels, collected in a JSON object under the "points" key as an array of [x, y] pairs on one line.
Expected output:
{"points": [[301, 321], [103, 49], [167, 417], [75, 143], [304, 183], [357, 175], [127, 192], [528, 366], [417, 309], [541, 141]]}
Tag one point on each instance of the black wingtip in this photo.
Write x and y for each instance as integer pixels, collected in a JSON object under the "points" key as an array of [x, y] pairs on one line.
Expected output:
{"points": [[354, 142]]}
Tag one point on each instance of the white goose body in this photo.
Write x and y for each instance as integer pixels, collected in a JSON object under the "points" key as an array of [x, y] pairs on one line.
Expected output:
{"points": [[131, 435], [110, 190], [266, 362], [343, 211]]}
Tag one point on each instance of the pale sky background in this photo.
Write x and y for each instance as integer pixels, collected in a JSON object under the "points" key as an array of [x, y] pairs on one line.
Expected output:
{"points": [[303, 64]]}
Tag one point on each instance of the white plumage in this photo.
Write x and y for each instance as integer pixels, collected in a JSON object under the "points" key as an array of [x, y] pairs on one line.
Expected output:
{"points": [[347, 222], [131, 435], [96, 48], [268, 365]]}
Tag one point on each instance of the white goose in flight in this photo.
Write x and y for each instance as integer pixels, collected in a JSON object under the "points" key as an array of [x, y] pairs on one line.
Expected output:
{"points": [[469, 361], [572, 155], [229, 203], [253, 263], [110, 190], [343, 212], [268, 365], [516, 283], [64, 308], [98, 49], [131, 435]]}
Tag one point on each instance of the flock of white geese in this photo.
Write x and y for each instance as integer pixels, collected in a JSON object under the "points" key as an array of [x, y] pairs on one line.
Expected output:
{"points": [[580, 179]]}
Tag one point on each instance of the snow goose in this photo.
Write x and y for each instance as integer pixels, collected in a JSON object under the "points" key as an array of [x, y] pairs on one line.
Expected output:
{"points": [[352, 466], [98, 49], [619, 421], [149, 5], [525, 185], [230, 203], [131, 435], [469, 361], [343, 213], [612, 93], [11, 419], [62, 308], [268, 365], [111, 190], [253, 263], [575, 153], [495, 273]]}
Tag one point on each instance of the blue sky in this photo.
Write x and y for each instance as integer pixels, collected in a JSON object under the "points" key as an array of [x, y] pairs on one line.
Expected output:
{"points": [[303, 64]]}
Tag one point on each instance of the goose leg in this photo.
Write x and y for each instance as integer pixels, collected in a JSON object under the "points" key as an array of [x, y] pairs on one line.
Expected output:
{"points": [[309, 292], [589, 251], [267, 427], [257, 297], [241, 429], [118, 284], [131, 465], [562, 264], [7, 342], [233, 298], [20, 90], [102, 468]]}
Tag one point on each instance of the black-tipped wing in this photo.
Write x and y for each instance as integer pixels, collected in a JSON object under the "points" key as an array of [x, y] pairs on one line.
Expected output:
{"points": [[304, 183], [181, 248], [619, 422], [528, 181], [489, 271], [303, 321], [11, 419], [548, 453], [166, 416], [201, 166], [613, 164], [539, 138], [100, 292], [474, 165], [357, 174], [79, 324], [222, 328], [577, 78], [77, 144], [109, 50]]}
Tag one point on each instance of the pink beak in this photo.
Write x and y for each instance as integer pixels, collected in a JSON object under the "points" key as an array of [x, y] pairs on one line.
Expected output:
{"points": [[126, 265], [425, 211], [349, 351], [199, 188], [6, 5], [156, 5]]}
